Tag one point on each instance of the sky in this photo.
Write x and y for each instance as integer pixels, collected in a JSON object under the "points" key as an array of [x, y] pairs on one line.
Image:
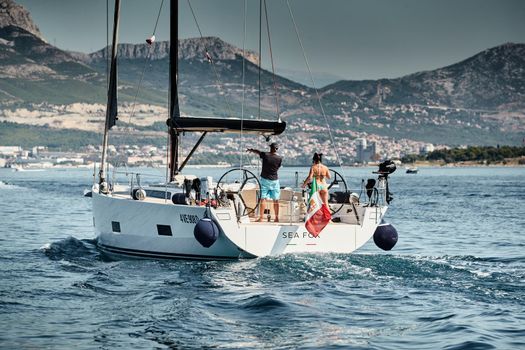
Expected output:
{"points": [[349, 39]]}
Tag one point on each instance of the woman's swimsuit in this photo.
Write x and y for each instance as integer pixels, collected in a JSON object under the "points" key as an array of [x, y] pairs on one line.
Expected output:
{"points": [[321, 183]]}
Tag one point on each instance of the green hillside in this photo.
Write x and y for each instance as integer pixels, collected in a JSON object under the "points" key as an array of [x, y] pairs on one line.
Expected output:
{"points": [[27, 136]]}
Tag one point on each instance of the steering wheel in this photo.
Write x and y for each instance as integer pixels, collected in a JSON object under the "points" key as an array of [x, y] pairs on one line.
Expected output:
{"points": [[337, 181], [238, 176]]}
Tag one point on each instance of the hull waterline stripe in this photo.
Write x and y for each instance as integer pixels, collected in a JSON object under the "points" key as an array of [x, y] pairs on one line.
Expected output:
{"points": [[149, 254]]}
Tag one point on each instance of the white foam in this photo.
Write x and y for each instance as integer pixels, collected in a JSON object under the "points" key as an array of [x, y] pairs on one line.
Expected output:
{"points": [[7, 186], [46, 246]]}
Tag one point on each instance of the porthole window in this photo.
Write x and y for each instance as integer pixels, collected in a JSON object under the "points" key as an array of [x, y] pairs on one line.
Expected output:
{"points": [[115, 226], [164, 230]]}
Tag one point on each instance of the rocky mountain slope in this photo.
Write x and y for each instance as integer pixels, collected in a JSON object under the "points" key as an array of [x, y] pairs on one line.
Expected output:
{"points": [[33, 71], [188, 49], [480, 100], [491, 80], [12, 14]]}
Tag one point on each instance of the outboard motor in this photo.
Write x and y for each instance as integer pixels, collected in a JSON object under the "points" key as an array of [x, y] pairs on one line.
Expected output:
{"points": [[387, 167], [206, 231], [385, 236]]}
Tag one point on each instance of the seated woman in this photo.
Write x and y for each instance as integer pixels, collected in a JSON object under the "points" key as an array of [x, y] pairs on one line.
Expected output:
{"points": [[319, 173]]}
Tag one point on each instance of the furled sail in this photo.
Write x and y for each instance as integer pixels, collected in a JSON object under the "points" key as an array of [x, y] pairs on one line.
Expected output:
{"points": [[111, 111], [112, 95]]}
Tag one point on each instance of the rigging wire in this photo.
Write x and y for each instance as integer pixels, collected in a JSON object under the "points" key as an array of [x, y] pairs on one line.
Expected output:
{"points": [[315, 88], [167, 157], [285, 135], [273, 67], [243, 82], [148, 56], [259, 142], [107, 62], [208, 56], [260, 54], [107, 44], [107, 71], [134, 103]]}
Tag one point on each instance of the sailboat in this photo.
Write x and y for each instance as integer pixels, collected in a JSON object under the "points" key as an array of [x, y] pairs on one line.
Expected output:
{"points": [[204, 218], [412, 170]]}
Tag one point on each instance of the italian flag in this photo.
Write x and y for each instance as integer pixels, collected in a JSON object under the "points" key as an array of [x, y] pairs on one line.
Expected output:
{"points": [[318, 214]]}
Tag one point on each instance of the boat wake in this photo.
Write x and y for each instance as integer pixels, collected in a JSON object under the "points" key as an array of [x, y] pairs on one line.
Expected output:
{"points": [[481, 279], [71, 249], [8, 186]]}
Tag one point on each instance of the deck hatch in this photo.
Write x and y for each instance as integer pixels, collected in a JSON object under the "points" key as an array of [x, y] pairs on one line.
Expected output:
{"points": [[115, 226], [164, 230]]}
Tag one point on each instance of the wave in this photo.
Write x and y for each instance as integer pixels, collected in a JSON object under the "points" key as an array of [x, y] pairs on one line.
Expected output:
{"points": [[8, 186], [471, 345], [483, 279], [64, 188], [71, 249], [436, 318], [262, 303]]}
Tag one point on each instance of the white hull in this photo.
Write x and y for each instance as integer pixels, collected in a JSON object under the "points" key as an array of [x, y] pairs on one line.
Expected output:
{"points": [[139, 234]]}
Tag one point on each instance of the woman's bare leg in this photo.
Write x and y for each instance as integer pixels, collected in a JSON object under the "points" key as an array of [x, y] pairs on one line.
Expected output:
{"points": [[324, 197]]}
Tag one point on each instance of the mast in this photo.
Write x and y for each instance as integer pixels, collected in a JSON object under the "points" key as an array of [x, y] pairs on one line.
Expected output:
{"points": [[111, 109], [173, 91]]}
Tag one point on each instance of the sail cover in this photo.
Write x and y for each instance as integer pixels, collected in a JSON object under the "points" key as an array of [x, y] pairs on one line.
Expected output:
{"points": [[192, 124]]}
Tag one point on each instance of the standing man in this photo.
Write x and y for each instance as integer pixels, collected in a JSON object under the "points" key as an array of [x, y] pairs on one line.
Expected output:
{"points": [[270, 189]]}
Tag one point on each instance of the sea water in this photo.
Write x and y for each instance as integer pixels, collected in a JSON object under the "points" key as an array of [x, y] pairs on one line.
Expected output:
{"points": [[455, 280]]}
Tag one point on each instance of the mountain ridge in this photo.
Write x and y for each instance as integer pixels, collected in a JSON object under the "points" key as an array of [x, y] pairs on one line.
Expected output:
{"points": [[487, 72], [480, 99], [191, 48]]}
